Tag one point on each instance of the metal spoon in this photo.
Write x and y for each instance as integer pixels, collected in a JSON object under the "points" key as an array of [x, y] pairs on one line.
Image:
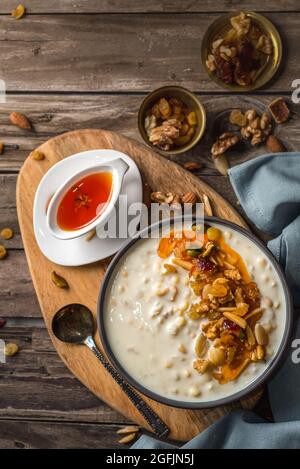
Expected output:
{"points": [[74, 324]]}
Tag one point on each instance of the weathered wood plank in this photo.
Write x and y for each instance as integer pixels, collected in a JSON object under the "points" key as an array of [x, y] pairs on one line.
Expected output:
{"points": [[138, 6], [120, 52], [26, 434], [55, 114], [8, 214], [36, 384], [17, 295]]}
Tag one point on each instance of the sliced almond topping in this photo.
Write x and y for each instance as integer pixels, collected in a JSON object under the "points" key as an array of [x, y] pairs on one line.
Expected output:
{"points": [[250, 336], [236, 319], [182, 263], [253, 313]]}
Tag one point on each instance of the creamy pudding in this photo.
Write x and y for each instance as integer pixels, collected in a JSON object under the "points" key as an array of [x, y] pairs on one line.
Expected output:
{"points": [[200, 333]]}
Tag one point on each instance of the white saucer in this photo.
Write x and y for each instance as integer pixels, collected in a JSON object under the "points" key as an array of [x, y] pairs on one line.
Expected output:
{"points": [[78, 251]]}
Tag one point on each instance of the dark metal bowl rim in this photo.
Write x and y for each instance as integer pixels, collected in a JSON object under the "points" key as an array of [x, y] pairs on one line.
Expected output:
{"points": [[273, 365]]}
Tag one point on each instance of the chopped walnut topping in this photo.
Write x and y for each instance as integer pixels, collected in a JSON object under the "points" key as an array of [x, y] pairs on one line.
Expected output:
{"points": [[200, 365], [232, 274]]}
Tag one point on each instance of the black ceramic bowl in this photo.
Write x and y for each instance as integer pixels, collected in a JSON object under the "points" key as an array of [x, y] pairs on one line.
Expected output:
{"points": [[256, 383]]}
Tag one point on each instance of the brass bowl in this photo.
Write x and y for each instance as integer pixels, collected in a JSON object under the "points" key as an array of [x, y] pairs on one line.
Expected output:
{"points": [[220, 26], [189, 99]]}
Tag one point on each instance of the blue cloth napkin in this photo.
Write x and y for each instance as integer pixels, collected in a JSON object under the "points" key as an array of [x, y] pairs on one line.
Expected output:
{"points": [[268, 189]]}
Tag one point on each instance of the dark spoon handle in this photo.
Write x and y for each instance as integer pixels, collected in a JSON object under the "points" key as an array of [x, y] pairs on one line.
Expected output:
{"points": [[158, 426]]}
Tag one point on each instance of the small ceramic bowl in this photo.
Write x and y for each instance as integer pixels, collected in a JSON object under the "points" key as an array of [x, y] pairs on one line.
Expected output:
{"points": [[117, 167], [189, 99]]}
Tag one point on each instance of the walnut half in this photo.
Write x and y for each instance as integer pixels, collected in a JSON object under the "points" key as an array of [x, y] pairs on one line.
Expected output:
{"points": [[223, 143]]}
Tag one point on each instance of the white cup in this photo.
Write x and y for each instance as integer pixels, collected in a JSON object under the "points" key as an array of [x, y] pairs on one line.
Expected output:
{"points": [[117, 168]]}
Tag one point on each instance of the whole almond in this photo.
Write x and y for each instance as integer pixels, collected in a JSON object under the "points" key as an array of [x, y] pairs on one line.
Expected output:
{"points": [[261, 335], [20, 120], [128, 429], [127, 439], [1, 148], [189, 198], [192, 165], [275, 145], [207, 205]]}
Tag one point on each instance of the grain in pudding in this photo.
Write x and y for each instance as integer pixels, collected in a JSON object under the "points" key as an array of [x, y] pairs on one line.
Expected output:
{"points": [[195, 325]]}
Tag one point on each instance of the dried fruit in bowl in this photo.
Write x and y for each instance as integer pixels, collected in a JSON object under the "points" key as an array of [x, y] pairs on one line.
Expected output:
{"points": [[238, 56], [170, 124]]}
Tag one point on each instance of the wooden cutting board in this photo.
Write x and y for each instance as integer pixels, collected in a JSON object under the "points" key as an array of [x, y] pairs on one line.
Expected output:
{"points": [[161, 175]]}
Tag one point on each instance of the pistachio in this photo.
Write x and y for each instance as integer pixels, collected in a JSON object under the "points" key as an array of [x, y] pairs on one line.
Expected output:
{"points": [[59, 281], [193, 252], [11, 349], [3, 252]]}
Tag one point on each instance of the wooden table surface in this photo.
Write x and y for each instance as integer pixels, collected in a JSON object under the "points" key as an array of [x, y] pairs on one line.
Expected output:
{"points": [[88, 64]]}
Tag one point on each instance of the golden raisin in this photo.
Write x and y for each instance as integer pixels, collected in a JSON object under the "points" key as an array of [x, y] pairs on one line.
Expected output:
{"points": [[213, 234], [6, 233], [3, 252], [18, 12]]}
